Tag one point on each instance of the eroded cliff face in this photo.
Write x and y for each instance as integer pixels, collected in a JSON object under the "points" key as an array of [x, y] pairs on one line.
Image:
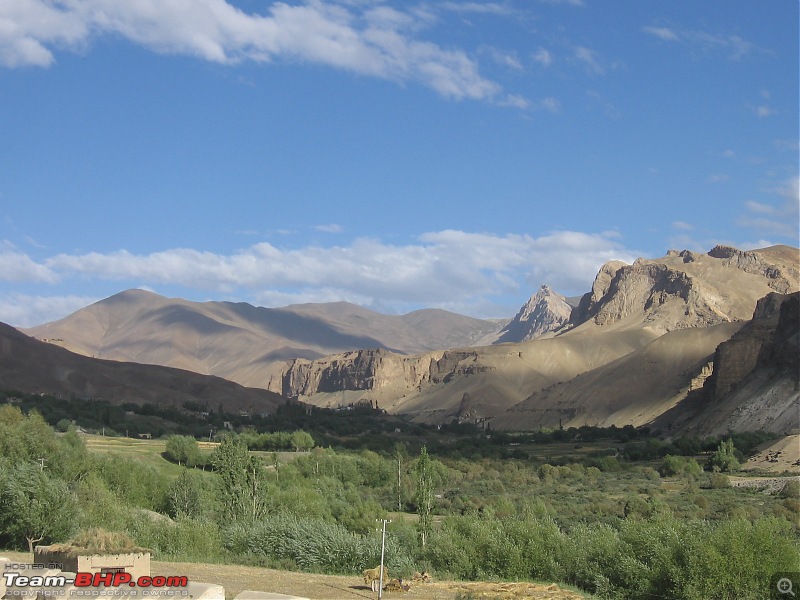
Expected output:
{"points": [[770, 343], [375, 369], [755, 378], [683, 289]]}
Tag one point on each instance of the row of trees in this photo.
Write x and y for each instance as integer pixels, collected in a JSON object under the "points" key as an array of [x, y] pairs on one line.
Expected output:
{"points": [[185, 450]]}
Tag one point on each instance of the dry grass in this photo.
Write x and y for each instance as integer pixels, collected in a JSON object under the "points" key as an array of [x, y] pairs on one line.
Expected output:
{"points": [[98, 541]]}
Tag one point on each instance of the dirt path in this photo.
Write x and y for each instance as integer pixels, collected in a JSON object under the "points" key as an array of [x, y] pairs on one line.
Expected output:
{"points": [[236, 578]]}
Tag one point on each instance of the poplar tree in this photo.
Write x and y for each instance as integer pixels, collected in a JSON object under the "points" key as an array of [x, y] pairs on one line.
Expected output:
{"points": [[243, 482], [424, 497]]}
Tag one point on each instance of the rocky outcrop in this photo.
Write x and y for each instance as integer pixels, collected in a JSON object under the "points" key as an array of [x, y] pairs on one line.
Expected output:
{"points": [[769, 342], [755, 379], [374, 369], [645, 290], [545, 312], [781, 278], [685, 289]]}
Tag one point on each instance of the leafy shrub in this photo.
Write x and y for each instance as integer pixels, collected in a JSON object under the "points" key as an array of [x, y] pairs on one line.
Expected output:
{"points": [[184, 539], [312, 544]]}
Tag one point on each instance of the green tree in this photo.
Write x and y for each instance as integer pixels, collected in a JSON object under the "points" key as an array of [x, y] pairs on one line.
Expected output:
{"points": [[724, 459], [302, 440], [34, 507], [242, 482], [184, 495], [424, 496], [400, 456], [183, 449]]}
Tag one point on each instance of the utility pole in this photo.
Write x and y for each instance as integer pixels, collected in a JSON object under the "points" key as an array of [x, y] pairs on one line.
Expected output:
{"points": [[383, 551]]}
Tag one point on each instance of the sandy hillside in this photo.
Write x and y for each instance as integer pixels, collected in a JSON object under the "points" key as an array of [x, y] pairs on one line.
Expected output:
{"points": [[777, 456]]}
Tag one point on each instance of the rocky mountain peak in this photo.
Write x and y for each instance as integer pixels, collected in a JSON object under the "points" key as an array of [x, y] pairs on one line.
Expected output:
{"points": [[685, 289], [544, 312]]}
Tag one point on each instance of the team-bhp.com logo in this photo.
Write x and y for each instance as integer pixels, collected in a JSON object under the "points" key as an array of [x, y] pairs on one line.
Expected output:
{"points": [[116, 579]]}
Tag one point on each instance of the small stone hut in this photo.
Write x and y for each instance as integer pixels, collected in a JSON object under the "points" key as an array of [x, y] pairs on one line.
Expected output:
{"points": [[96, 551]]}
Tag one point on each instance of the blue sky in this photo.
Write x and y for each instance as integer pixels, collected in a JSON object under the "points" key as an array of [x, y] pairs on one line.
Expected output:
{"points": [[398, 155]]}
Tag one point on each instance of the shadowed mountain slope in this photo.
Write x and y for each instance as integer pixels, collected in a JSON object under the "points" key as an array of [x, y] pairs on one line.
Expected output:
{"points": [[32, 366]]}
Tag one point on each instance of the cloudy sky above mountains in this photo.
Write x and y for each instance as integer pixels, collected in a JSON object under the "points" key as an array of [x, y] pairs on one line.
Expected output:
{"points": [[394, 154]]}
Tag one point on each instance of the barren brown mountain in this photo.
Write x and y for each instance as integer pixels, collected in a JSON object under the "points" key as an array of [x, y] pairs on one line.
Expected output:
{"points": [[242, 342]]}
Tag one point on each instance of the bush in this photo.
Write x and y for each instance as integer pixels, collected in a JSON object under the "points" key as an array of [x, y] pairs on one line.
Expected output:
{"points": [[791, 490], [312, 544], [720, 481], [197, 540]]}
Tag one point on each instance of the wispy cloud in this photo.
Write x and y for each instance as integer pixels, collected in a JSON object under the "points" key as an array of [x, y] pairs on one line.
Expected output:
{"points": [[733, 45], [503, 57], [590, 59], [682, 226], [569, 2], [717, 178], [366, 39], [439, 267], [763, 110], [492, 8], [330, 228], [664, 33], [781, 219], [543, 56]]}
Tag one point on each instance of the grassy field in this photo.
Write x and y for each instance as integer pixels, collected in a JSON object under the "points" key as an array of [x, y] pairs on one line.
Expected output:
{"points": [[151, 451]]}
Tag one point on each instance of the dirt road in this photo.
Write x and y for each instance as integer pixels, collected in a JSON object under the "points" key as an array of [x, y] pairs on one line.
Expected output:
{"points": [[236, 578]]}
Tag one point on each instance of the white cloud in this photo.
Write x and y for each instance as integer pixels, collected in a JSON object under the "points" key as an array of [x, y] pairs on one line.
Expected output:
{"points": [[16, 266], [27, 27], [21, 310], [438, 269], [378, 41]]}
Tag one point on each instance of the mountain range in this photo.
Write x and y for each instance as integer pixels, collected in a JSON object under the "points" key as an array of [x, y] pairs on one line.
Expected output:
{"points": [[644, 346]]}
